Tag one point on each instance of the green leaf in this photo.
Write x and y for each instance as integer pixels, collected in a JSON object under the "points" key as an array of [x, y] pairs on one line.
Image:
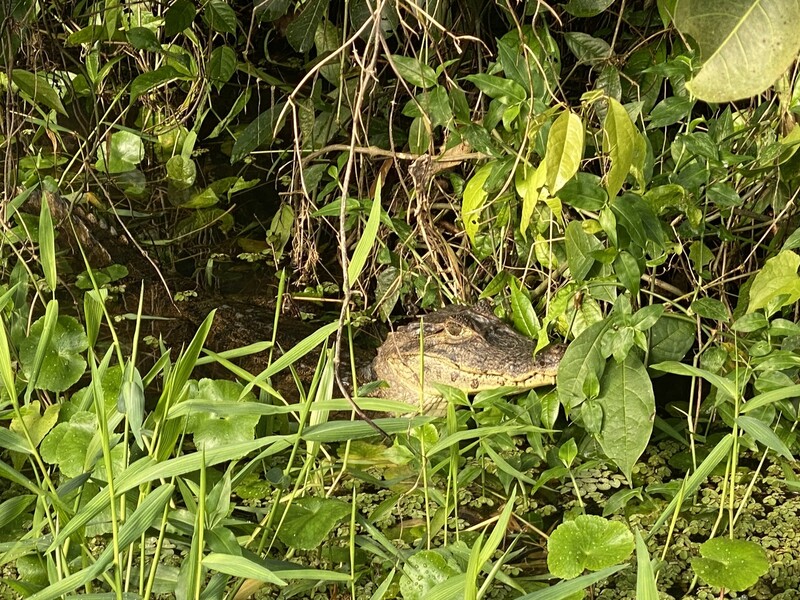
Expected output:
{"points": [[767, 398], [646, 588], [629, 407], [13, 508], [587, 8], [261, 132], [671, 338], [627, 270], [240, 566], [217, 430], [620, 137], [564, 150], [588, 542], [38, 425], [366, 241], [62, 363], [580, 248], [66, 445], [503, 90], [710, 308], [143, 38], [746, 44], [178, 17], [14, 441], [750, 322], [588, 49], [734, 565], [181, 172], [725, 385], [669, 111], [300, 32], [425, 570], [530, 186], [308, 521], [638, 219], [764, 434], [221, 66], [38, 89], [474, 201], [522, 312], [777, 284], [700, 255], [219, 16], [419, 140], [582, 359], [414, 71], [47, 242], [153, 79], [125, 151], [585, 192], [570, 589], [434, 104]]}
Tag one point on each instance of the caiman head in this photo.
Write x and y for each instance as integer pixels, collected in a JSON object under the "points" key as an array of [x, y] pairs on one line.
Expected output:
{"points": [[464, 347]]}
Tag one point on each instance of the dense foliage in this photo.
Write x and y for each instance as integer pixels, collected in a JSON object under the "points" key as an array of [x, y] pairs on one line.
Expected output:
{"points": [[618, 175]]}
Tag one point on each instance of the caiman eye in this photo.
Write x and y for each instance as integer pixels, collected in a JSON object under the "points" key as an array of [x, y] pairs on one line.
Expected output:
{"points": [[453, 328]]}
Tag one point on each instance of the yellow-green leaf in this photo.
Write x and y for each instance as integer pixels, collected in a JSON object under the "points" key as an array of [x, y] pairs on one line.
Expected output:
{"points": [[564, 150], [364, 246], [746, 44], [619, 142], [530, 186], [474, 201], [777, 283]]}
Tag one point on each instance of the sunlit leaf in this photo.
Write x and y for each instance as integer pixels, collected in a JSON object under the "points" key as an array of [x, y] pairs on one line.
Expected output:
{"points": [[564, 150], [588, 542], [777, 283], [746, 44]]}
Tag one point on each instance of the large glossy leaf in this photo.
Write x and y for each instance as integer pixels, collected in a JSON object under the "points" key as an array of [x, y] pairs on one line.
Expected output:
{"points": [[564, 150], [619, 142], [629, 407], [746, 44]]}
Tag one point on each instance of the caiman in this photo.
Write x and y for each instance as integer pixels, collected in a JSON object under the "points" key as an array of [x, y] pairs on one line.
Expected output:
{"points": [[464, 347]]}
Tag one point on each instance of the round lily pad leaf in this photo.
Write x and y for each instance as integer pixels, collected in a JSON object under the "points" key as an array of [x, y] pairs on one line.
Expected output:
{"points": [[63, 364], [423, 571], [215, 430], [734, 565], [588, 542], [66, 444]]}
